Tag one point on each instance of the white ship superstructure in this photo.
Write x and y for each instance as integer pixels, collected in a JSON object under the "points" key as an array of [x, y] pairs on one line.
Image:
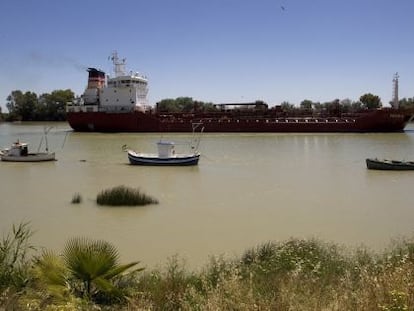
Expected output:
{"points": [[125, 92]]}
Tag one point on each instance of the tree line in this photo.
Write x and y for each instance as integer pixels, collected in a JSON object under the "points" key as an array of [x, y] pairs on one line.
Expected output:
{"points": [[366, 101], [29, 106]]}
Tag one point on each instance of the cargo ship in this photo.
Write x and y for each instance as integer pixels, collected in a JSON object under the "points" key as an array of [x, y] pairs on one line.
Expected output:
{"points": [[119, 104]]}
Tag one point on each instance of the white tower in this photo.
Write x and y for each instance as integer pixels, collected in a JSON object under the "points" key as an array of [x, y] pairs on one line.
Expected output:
{"points": [[119, 65], [395, 101]]}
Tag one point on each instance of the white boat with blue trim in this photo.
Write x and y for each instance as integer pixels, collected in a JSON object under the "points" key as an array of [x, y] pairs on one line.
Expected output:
{"points": [[167, 156]]}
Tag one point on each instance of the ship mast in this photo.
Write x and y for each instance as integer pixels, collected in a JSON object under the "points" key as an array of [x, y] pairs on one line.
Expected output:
{"points": [[395, 101], [119, 65]]}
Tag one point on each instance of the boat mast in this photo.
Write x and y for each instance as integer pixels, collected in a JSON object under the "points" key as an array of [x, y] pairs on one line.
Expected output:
{"points": [[119, 65], [395, 101]]}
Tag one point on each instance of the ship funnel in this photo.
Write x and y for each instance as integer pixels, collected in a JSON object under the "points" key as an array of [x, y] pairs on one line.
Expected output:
{"points": [[96, 79], [96, 82]]}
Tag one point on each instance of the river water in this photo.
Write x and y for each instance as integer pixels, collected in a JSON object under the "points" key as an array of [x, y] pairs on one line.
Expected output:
{"points": [[247, 189]]}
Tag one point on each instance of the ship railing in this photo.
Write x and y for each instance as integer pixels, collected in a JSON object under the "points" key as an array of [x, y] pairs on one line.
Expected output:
{"points": [[280, 120]]}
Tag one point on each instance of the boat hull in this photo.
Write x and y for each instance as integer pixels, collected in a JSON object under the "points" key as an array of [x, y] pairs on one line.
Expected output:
{"points": [[183, 160], [31, 157], [389, 165], [381, 120]]}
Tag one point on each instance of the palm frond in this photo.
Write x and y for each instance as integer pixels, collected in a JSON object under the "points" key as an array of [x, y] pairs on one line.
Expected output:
{"points": [[51, 275], [50, 269], [120, 269], [89, 259]]}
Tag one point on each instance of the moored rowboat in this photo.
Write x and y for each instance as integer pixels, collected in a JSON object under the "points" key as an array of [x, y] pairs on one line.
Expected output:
{"points": [[391, 165]]}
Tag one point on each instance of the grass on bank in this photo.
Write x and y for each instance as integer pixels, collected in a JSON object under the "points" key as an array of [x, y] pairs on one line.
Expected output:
{"points": [[124, 196], [296, 274]]}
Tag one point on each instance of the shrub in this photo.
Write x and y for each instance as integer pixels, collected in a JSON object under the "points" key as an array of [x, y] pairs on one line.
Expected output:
{"points": [[122, 195]]}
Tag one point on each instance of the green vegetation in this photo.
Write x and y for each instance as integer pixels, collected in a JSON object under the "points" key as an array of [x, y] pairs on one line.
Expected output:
{"points": [[370, 101], [30, 107], [334, 107], [295, 274], [14, 262], [76, 199], [184, 104], [407, 103], [87, 269], [124, 196]]}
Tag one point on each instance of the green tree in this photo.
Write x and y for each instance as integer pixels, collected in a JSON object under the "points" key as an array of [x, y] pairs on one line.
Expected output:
{"points": [[406, 103], [356, 106], [317, 106], [183, 104], [51, 106], [333, 107], [201, 106], [345, 104], [306, 104], [47, 107], [167, 105], [27, 108], [14, 100], [370, 101], [22, 106], [286, 106]]}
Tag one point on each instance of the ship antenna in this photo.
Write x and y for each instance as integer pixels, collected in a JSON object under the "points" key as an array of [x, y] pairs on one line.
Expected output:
{"points": [[119, 65], [395, 101]]}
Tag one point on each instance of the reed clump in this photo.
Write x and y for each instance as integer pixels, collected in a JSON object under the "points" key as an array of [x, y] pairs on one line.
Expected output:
{"points": [[124, 196], [76, 198]]}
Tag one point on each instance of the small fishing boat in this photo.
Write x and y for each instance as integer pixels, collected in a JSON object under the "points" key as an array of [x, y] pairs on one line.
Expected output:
{"points": [[166, 155], [19, 152], [390, 165]]}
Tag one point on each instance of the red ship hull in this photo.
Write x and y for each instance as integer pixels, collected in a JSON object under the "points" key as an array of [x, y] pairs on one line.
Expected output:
{"points": [[380, 120]]}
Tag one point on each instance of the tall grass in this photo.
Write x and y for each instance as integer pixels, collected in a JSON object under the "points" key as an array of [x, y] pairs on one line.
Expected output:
{"points": [[124, 196], [15, 264], [296, 274], [14, 257], [291, 275]]}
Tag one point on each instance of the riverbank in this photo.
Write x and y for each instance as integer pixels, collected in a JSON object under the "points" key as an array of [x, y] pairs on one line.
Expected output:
{"points": [[296, 274]]}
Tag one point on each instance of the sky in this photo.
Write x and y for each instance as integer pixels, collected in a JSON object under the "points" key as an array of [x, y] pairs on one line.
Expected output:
{"points": [[220, 51]]}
